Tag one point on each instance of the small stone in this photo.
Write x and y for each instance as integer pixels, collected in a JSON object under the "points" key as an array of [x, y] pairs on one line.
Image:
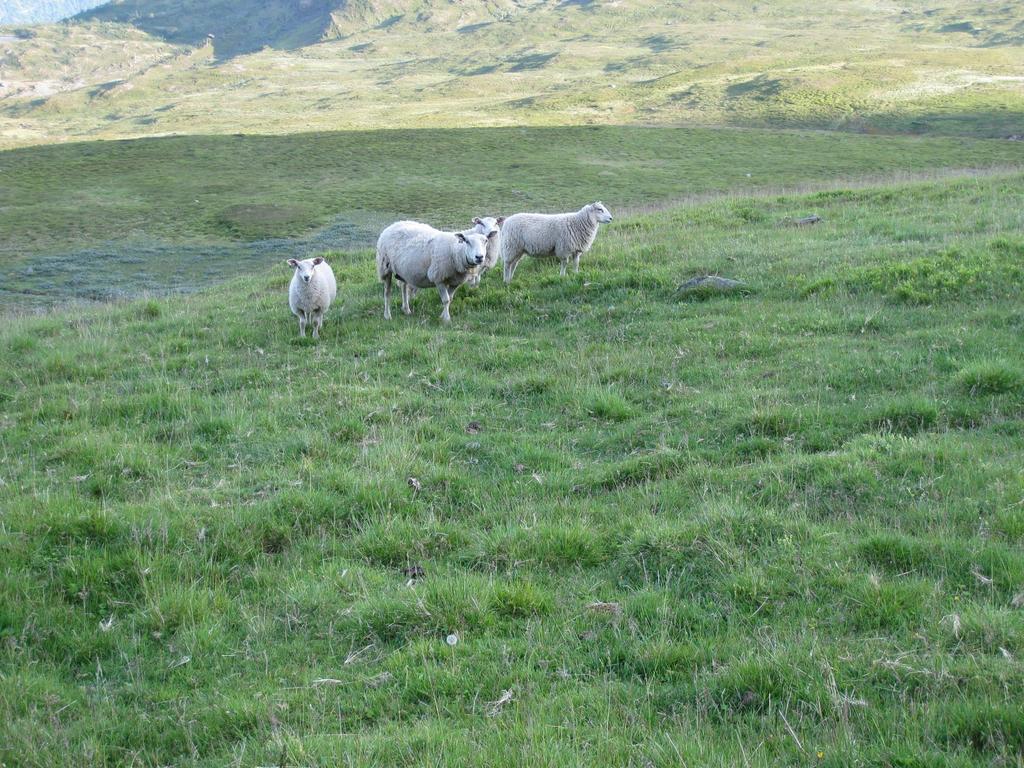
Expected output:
{"points": [[706, 286], [415, 484], [805, 221], [414, 572], [473, 428], [379, 680], [600, 607]]}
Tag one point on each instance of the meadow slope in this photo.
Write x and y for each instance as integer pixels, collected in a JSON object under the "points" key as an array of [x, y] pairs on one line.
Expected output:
{"points": [[783, 528], [100, 220]]}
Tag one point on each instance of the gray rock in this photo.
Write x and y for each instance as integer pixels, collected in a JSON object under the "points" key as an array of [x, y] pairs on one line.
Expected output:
{"points": [[806, 221], [706, 286]]}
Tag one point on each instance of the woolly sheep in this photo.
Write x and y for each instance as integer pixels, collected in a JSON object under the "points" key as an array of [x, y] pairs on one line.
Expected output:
{"points": [[486, 225], [311, 292], [420, 256], [562, 235]]}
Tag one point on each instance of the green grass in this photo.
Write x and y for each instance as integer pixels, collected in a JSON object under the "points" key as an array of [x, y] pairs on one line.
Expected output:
{"points": [[951, 68], [781, 528], [102, 219]]}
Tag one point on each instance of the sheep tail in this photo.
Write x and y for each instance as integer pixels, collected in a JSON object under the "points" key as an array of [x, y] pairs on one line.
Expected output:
{"points": [[383, 264]]}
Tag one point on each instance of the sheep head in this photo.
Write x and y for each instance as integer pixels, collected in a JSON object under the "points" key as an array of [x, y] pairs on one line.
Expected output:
{"points": [[305, 267], [474, 248]]}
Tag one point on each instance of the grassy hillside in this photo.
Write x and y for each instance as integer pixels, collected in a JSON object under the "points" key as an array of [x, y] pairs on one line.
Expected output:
{"points": [[103, 219], [783, 528], [38, 64], [954, 68]]}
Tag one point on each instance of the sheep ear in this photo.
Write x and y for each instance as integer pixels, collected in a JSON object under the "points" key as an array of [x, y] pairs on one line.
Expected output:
{"points": [[461, 237], [491, 234], [292, 263], [500, 220], [318, 260], [477, 220]]}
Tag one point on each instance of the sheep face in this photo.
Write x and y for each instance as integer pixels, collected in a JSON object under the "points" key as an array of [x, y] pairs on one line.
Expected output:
{"points": [[599, 213], [488, 225], [474, 248], [305, 267]]}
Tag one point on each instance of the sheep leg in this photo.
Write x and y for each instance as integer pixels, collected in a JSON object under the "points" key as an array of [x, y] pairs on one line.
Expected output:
{"points": [[446, 300], [576, 262], [510, 267], [318, 320], [302, 323], [406, 298], [387, 297], [563, 258]]}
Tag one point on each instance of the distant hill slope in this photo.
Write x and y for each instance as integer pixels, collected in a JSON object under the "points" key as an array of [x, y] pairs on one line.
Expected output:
{"points": [[955, 68], [42, 11], [237, 26], [244, 26]]}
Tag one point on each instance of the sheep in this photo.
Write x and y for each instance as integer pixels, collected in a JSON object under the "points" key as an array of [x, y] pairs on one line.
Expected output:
{"points": [[486, 226], [420, 256], [563, 235], [311, 292]]}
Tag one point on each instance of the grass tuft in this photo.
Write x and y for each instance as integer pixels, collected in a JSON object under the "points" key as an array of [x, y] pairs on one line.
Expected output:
{"points": [[989, 728], [991, 377], [605, 404], [905, 415]]}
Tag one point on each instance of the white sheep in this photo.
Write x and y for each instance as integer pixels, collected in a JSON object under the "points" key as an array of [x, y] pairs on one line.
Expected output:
{"points": [[490, 227], [562, 235], [311, 292], [418, 256]]}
